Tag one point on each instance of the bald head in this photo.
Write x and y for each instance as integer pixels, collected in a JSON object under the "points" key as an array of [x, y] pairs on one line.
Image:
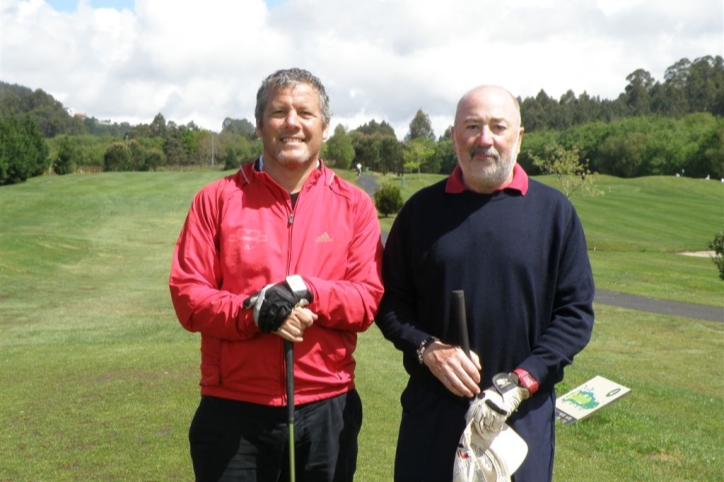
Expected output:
{"points": [[486, 137], [491, 95]]}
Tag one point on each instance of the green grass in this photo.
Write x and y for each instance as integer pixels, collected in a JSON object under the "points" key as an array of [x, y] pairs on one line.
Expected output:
{"points": [[99, 381]]}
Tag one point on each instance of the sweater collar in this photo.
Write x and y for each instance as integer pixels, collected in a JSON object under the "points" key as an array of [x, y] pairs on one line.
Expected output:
{"points": [[455, 184]]}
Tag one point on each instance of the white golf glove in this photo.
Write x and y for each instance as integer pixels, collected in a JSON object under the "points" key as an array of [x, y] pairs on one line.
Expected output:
{"points": [[489, 411]]}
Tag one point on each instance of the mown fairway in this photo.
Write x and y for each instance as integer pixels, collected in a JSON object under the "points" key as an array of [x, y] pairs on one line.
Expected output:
{"points": [[99, 381]]}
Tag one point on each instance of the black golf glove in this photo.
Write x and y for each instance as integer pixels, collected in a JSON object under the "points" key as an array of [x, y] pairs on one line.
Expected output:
{"points": [[275, 302]]}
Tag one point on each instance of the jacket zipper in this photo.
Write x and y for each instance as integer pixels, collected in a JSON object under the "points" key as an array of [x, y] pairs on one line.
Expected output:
{"points": [[290, 223]]}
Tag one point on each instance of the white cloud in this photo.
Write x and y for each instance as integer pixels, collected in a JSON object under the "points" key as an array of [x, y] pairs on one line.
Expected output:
{"points": [[379, 59]]}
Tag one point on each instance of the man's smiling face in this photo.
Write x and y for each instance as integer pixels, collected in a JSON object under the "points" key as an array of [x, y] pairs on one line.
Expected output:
{"points": [[292, 128]]}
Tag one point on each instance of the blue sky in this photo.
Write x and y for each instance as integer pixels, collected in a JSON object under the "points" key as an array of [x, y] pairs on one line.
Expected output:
{"points": [[129, 60]]}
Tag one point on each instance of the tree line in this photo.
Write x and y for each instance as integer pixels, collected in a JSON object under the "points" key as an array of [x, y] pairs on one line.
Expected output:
{"points": [[674, 126]]}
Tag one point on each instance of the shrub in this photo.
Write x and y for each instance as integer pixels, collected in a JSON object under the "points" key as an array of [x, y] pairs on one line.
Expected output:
{"points": [[117, 157], [718, 246], [388, 199]]}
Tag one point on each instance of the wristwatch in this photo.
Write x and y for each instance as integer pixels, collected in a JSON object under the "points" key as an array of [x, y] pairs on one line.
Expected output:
{"points": [[299, 288], [423, 346]]}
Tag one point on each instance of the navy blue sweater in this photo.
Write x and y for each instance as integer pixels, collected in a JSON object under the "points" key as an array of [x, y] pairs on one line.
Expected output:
{"points": [[522, 262]]}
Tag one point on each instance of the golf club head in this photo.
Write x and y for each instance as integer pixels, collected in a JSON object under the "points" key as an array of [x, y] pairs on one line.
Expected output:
{"points": [[489, 456]]}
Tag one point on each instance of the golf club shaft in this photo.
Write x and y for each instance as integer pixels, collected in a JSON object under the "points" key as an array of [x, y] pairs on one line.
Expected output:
{"points": [[289, 354]]}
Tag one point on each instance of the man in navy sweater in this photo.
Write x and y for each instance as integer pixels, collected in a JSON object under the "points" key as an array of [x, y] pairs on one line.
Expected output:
{"points": [[517, 249]]}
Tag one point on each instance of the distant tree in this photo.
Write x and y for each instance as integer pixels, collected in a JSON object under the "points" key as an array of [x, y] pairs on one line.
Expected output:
{"points": [[708, 158], [117, 157], [623, 155], [638, 99], [239, 126], [339, 148], [388, 199], [68, 154], [23, 151], [367, 149], [536, 145], [705, 84], [373, 127], [140, 131], [572, 173], [420, 127], [444, 156], [430, 162], [138, 155], [391, 157], [155, 158], [158, 126], [231, 161], [416, 153]]}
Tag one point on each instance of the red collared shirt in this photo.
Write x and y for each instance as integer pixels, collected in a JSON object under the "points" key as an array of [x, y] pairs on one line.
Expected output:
{"points": [[455, 184]]}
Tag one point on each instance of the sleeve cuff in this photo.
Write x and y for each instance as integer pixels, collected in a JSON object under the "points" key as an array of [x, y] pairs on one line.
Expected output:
{"points": [[526, 380]]}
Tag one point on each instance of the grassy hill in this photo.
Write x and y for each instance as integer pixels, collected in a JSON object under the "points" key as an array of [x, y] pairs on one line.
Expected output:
{"points": [[99, 381]]}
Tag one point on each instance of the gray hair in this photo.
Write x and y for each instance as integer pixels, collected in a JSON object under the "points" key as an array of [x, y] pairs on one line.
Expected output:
{"points": [[289, 78]]}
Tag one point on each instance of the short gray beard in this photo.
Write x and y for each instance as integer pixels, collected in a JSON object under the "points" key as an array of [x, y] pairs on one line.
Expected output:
{"points": [[491, 178]]}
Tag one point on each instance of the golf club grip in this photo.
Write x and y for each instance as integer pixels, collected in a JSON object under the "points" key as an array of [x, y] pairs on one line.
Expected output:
{"points": [[289, 355], [458, 298]]}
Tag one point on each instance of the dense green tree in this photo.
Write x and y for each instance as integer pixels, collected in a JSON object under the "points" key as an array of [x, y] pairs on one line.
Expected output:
{"points": [[117, 157], [158, 126], [444, 156], [67, 158], [705, 84], [708, 158], [374, 128], [23, 151], [388, 199], [239, 126], [138, 155], [420, 127], [367, 149], [430, 162], [535, 145], [623, 154], [637, 91], [231, 161], [155, 158], [391, 158], [339, 148]]}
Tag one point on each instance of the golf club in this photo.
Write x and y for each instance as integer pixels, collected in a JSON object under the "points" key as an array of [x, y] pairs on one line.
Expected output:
{"points": [[289, 353], [506, 446], [289, 359]]}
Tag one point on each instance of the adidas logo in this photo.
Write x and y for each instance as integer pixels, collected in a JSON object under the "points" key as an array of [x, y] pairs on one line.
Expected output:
{"points": [[324, 238]]}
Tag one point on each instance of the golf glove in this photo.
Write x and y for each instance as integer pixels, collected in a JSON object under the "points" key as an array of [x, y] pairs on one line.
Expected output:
{"points": [[489, 411], [275, 302]]}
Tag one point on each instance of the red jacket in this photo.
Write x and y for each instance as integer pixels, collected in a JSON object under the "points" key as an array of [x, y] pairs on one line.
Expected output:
{"points": [[241, 233]]}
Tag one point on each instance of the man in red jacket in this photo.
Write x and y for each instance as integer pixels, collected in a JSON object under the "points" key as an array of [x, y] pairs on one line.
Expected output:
{"points": [[285, 215]]}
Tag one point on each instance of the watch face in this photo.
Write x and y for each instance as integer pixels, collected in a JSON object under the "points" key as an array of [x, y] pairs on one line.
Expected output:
{"points": [[296, 283]]}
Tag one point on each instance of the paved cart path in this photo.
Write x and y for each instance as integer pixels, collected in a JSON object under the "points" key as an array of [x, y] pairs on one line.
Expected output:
{"points": [[632, 302]]}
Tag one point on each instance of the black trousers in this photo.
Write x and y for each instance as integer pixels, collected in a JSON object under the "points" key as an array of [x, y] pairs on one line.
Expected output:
{"points": [[245, 442]]}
